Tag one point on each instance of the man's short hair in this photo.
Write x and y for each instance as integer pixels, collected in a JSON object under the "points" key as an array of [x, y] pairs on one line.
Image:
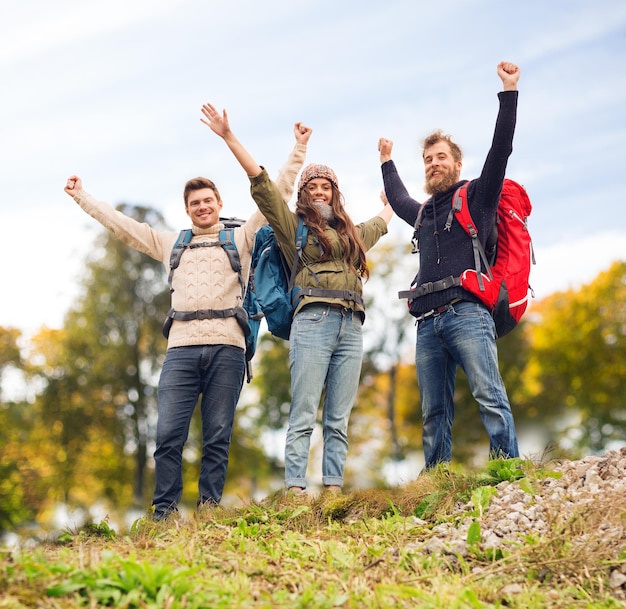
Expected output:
{"points": [[199, 184], [439, 136]]}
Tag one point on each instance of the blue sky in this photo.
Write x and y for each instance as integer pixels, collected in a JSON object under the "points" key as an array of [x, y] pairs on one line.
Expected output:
{"points": [[112, 91]]}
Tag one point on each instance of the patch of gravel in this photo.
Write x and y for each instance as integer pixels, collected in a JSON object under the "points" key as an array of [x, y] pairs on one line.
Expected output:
{"points": [[587, 503]]}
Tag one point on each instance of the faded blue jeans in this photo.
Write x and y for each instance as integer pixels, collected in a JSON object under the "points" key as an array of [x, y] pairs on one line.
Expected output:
{"points": [[325, 352], [216, 372], [463, 335]]}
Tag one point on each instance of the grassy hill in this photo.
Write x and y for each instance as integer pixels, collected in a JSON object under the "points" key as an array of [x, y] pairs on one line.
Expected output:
{"points": [[517, 534]]}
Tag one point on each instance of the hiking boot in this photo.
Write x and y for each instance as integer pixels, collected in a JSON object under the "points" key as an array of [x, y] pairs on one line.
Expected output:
{"points": [[333, 488]]}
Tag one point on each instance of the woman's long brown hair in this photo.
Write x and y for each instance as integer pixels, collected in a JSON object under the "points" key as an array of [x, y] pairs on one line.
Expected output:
{"points": [[353, 250]]}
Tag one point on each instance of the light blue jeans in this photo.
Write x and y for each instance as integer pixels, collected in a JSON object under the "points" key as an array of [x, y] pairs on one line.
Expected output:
{"points": [[325, 353], [463, 335]]}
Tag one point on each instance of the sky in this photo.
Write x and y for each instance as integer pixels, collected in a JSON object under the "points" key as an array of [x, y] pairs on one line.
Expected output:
{"points": [[111, 91]]}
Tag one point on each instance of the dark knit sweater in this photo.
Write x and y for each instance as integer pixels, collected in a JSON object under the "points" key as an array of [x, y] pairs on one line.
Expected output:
{"points": [[449, 253]]}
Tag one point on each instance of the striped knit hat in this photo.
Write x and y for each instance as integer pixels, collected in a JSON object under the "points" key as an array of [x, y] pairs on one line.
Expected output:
{"points": [[310, 172]]}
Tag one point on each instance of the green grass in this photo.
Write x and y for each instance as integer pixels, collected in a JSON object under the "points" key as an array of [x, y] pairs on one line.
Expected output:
{"points": [[364, 549]]}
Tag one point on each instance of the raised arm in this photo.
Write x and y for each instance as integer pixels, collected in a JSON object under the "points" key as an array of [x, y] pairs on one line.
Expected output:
{"points": [[137, 235], [494, 169], [219, 125], [288, 173], [399, 199], [302, 133]]}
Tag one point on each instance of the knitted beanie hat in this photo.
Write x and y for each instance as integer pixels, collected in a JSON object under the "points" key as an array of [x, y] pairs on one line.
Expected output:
{"points": [[310, 172]]}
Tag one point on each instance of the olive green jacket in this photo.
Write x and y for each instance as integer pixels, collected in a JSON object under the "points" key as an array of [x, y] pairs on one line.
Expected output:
{"points": [[332, 274]]}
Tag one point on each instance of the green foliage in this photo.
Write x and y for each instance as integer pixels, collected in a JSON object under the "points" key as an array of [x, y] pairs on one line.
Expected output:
{"points": [[19, 482], [9, 350], [272, 380], [428, 506], [100, 530], [474, 536], [13, 508], [128, 583], [286, 552], [99, 373], [20, 496], [481, 498], [505, 469], [576, 361]]}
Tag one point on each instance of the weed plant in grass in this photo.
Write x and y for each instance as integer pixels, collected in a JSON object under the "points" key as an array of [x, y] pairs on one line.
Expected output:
{"points": [[437, 543]]}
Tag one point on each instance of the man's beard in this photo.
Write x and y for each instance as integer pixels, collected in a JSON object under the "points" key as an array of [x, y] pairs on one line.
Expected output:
{"points": [[443, 183]]}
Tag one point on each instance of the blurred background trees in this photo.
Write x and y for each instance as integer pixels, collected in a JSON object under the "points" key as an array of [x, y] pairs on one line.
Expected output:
{"points": [[81, 431]]}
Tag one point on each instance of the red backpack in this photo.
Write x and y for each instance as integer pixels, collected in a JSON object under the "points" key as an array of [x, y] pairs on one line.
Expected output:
{"points": [[504, 288]]}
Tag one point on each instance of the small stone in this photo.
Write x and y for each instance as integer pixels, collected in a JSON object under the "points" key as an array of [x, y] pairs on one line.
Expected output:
{"points": [[511, 589], [616, 579]]}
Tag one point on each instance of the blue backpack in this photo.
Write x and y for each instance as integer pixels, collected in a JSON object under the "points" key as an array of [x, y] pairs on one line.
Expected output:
{"points": [[272, 279], [248, 315]]}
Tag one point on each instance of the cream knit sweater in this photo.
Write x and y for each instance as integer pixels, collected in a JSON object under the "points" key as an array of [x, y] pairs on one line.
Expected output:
{"points": [[204, 279]]}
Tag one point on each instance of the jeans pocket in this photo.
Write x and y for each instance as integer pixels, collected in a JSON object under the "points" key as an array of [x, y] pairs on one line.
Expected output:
{"points": [[465, 309], [311, 315]]}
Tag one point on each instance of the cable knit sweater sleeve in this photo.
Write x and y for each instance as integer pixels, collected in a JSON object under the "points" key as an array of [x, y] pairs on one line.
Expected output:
{"points": [[288, 173], [138, 235]]}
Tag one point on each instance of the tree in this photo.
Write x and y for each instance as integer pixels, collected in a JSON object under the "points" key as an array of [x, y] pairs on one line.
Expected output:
{"points": [[272, 380], [9, 350], [15, 506], [100, 378], [390, 340], [577, 369]]}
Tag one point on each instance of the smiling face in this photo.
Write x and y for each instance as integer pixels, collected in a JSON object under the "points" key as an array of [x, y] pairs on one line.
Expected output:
{"points": [[203, 207], [441, 170], [320, 190]]}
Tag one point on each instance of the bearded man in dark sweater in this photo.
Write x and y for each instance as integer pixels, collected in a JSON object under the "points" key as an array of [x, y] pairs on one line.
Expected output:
{"points": [[454, 328]]}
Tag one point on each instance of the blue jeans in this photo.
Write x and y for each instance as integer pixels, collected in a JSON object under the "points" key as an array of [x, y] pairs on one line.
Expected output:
{"points": [[325, 352], [463, 335], [216, 372]]}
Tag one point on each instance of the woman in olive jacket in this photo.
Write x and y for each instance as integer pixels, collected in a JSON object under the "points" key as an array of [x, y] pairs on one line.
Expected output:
{"points": [[325, 343]]}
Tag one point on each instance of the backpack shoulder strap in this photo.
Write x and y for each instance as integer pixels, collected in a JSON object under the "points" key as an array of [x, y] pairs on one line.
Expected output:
{"points": [[184, 237], [415, 240], [301, 234], [460, 211], [227, 241]]}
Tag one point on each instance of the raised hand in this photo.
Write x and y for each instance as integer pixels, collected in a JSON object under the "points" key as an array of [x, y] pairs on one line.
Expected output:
{"points": [[216, 122], [73, 185], [509, 73], [384, 147], [302, 133]]}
